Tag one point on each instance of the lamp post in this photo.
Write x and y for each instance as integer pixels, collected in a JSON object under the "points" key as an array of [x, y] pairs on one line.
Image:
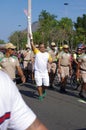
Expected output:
{"points": [[29, 23], [19, 38], [66, 12]]}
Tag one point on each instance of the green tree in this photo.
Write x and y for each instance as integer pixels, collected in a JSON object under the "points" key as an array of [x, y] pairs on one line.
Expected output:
{"points": [[19, 38], [48, 24], [80, 27], [2, 42], [65, 30]]}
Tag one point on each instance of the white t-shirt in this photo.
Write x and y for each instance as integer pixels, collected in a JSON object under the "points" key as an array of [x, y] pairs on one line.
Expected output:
{"points": [[14, 113], [41, 61]]}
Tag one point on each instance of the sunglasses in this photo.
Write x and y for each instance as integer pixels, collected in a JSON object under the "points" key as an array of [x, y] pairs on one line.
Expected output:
{"points": [[53, 46], [12, 49]]}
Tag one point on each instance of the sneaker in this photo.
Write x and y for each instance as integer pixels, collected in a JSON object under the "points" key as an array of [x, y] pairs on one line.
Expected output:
{"points": [[44, 94], [81, 95], [40, 98]]}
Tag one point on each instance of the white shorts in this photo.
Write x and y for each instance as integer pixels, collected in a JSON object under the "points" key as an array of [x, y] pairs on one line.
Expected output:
{"points": [[41, 78]]}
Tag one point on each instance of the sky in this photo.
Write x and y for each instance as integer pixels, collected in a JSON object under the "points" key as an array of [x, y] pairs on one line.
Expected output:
{"points": [[12, 13]]}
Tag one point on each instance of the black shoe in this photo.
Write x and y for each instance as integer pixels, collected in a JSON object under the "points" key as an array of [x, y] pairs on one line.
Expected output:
{"points": [[81, 95], [51, 87], [62, 90]]}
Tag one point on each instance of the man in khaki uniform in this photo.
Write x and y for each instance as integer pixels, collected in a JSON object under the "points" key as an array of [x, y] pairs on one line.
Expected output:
{"points": [[64, 66], [52, 66], [81, 72], [27, 56], [28, 62], [9, 63]]}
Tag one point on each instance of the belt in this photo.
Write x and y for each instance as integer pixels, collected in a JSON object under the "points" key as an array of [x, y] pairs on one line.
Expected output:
{"points": [[82, 69], [65, 65]]}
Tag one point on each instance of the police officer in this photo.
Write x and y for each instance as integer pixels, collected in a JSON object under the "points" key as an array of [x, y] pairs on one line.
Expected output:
{"points": [[9, 63], [53, 65], [81, 70], [64, 66]]}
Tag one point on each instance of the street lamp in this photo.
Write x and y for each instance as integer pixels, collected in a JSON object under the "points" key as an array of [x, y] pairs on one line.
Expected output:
{"points": [[66, 12]]}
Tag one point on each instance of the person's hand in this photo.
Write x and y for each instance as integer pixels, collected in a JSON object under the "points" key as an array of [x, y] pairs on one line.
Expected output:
{"points": [[30, 36], [70, 72], [23, 79], [59, 70], [78, 76]]}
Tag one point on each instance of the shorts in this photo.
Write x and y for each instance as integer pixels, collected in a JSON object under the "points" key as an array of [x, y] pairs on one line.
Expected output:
{"points": [[64, 71], [52, 68], [41, 78], [83, 76]]}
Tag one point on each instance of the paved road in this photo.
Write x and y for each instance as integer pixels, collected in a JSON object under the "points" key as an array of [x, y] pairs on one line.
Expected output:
{"points": [[57, 111]]}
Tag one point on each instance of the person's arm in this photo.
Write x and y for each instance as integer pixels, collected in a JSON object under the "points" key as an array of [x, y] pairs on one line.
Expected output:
{"points": [[20, 72], [78, 71], [59, 66], [22, 117], [32, 44], [37, 125]]}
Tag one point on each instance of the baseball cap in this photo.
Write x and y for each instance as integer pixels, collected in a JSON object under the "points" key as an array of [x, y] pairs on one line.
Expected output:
{"points": [[10, 45], [27, 46], [53, 44], [65, 46]]}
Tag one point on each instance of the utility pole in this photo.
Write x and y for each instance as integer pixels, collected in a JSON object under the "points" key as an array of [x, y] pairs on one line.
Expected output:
{"points": [[29, 23]]}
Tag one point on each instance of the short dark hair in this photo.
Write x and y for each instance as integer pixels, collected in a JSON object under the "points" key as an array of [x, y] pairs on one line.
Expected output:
{"points": [[41, 43]]}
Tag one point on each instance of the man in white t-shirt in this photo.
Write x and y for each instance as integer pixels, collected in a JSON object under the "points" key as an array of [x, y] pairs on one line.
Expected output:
{"points": [[41, 68], [14, 113]]}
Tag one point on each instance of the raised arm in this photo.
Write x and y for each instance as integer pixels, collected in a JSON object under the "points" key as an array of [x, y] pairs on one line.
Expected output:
{"points": [[32, 44], [37, 125]]}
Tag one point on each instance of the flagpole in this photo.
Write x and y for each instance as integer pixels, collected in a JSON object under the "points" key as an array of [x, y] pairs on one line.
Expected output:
{"points": [[29, 23]]}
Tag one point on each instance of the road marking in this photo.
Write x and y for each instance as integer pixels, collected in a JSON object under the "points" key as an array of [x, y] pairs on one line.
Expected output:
{"points": [[82, 101]]}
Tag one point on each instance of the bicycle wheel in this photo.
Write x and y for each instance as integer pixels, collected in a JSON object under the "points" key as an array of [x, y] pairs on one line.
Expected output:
{"points": [[56, 82], [73, 82]]}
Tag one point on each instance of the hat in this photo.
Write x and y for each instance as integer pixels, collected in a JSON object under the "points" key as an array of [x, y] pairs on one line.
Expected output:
{"points": [[81, 46], [60, 47], [27, 46], [10, 45], [65, 46], [53, 44]]}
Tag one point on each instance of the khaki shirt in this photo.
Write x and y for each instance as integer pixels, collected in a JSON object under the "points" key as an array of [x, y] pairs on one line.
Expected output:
{"points": [[82, 60], [53, 54], [65, 58], [9, 65], [28, 56], [1, 55]]}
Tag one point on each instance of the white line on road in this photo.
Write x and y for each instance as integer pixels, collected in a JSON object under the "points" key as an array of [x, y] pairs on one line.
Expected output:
{"points": [[82, 101]]}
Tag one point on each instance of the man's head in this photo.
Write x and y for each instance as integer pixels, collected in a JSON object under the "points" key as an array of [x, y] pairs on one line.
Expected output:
{"points": [[27, 47], [81, 48], [42, 47], [65, 47], [10, 48], [53, 45]]}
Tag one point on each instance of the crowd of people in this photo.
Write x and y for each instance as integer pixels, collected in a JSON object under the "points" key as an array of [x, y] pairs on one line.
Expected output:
{"points": [[41, 65], [14, 112]]}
